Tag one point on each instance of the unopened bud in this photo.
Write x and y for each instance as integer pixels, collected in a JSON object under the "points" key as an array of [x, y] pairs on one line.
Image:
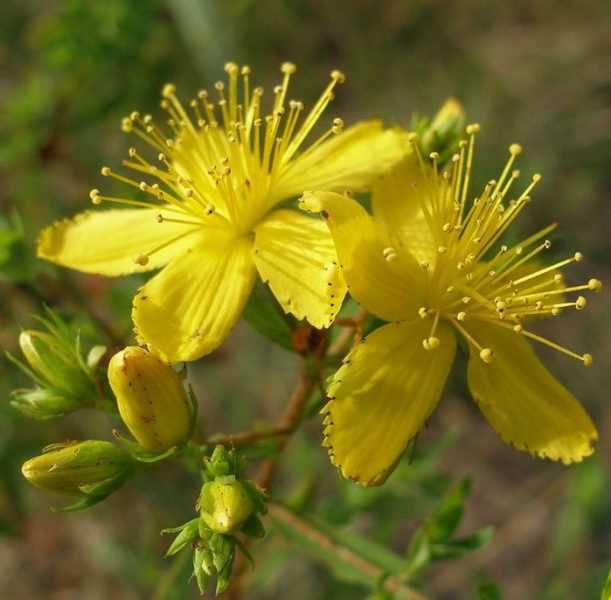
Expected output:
{"points": [[78, 467], [225, 505], [443, 133], [151, 399], [52, 362]]}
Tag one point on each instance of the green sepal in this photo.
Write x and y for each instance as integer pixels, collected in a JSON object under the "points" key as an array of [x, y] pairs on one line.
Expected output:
{"points": [[222, 548], [186, 534], [224, 576], [201, 576], [253, 527], [138, 453]]}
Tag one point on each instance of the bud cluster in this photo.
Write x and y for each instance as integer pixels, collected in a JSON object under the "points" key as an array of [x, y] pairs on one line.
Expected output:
{"points": [[227, 506]]}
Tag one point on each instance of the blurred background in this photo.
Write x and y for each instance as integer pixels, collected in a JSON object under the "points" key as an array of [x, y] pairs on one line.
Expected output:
{"points": [[538, 73]]}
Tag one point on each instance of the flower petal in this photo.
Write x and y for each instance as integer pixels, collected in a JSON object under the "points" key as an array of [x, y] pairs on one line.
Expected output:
{"points": [[390, 290], [107, 242], [295, 255], [349, 160], [524, 403], [188, 309], [381, 397], [396, 202]]}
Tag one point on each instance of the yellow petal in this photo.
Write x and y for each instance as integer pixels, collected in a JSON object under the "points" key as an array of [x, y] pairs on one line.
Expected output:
{"points": [[391, 290], [524, 403], [188, 309], [107, 242], [396, 202], [295, 255], [382, 396], [349, 160]]}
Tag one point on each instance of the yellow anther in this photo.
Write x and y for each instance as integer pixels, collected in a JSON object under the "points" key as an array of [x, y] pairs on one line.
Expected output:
{"points": [[486, 355], [556, 311], [141, 259], [431, 343], [434, 155], [126, 125], [501, 306], [473, 128], [578, 256], [595, 285], [231, 67], [413, 138], [587, 360], [518, 328], [288, 68], [442, 249], [95, 196], [219, 86], [515, 149], [423, 312], [536, 177], [105, 171], [580, 303], [461, 316], [168, 90], [246, 70], [338, 76]]}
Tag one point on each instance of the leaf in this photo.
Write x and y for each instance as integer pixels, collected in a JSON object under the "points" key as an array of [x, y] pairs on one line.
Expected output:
{"points": [[606, 593], [264, 315], [459, 547], [448, 514], [490, 591], [335, 548]]}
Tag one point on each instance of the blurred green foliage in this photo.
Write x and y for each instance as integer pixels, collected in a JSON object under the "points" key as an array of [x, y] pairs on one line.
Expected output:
{"points": [[536, 73]]}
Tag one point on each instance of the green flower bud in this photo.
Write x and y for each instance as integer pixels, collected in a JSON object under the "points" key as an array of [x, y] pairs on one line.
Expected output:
{"points": [[50, 361], [151, 399], [82, 468], [65, 380], [43, 403], [442, 134], [225, 505]]}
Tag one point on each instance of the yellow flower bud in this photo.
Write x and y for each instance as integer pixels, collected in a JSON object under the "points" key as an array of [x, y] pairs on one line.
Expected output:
{"points": [[151, 399], [225, 506], [78, 467]]}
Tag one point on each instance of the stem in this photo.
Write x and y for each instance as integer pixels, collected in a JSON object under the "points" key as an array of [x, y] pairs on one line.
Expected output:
{"points": [[391, 583], [288, 421], [244, 438]]}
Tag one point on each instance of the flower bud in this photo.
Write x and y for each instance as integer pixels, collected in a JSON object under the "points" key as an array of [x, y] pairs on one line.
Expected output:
{"points": [[43, 403], [225, 505], [151, 399], [53, 360], [445, 130], [79, 467]]}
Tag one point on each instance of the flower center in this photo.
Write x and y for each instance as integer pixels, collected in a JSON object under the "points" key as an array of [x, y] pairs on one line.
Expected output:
{"points": [[218, 165], [469, 280]]}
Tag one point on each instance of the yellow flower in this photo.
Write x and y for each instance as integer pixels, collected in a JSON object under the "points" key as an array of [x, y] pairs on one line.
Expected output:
{"points": [[428, 262], [214, 218]]}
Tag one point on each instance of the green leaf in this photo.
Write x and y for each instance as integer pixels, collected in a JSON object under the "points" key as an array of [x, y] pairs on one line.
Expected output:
{"points": [[324, 543], [459, 547], [448, 514], [490, 591], [606, 593], [264, 315]]}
